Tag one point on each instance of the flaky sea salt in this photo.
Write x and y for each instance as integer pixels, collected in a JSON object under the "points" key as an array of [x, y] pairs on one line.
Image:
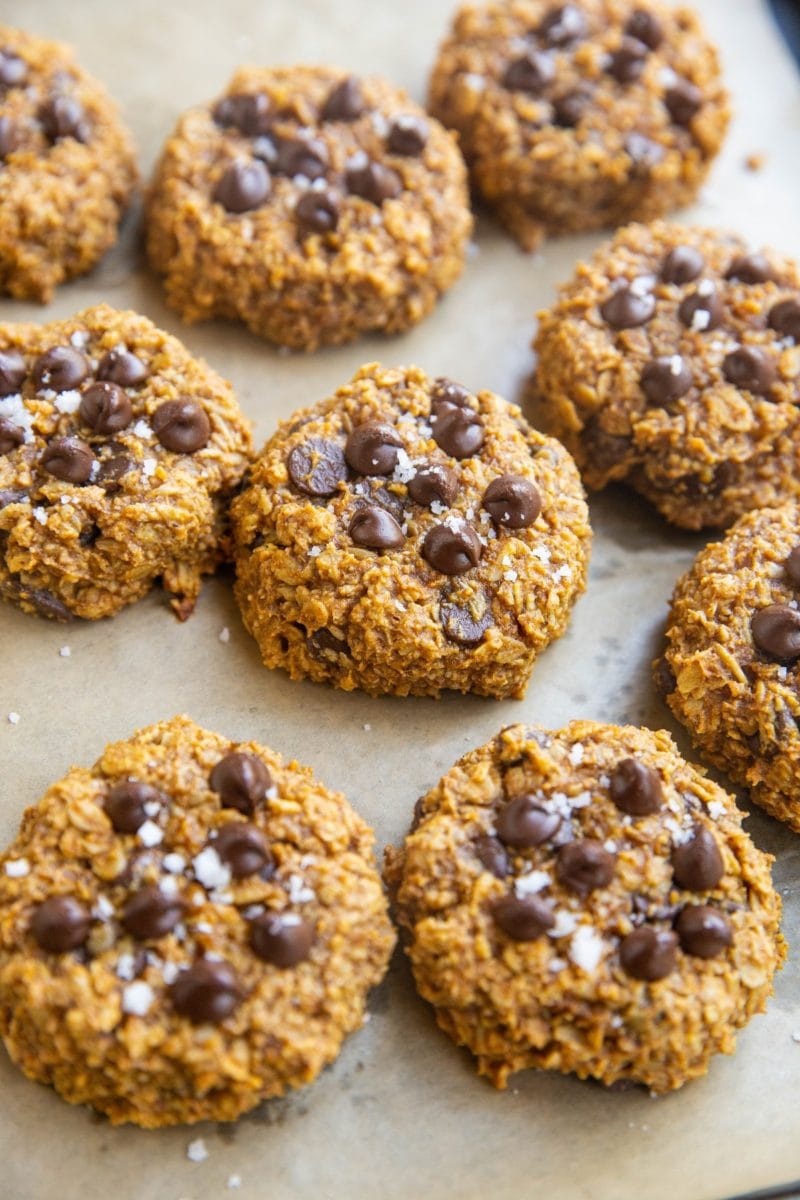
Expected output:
{"points": [[40, 514], [148, 467], [314, 551], [586, 948], [530, 884], [13, 407], [68, 402], [142, 430], [565, 924], [299, 893], [196, 1151], [716, 809], [13, 718], [210, 870], [16, 868], [103, 909], [137, 998], [575, 754], [225, 634], [65, 652], [149, 834], [542, 553], [174, 863], [126, 967], [234, 1181]]}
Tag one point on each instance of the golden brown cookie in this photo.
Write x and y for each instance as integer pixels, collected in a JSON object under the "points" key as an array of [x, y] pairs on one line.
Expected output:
{"points": [[118, 454], [671, 361], [406, 535], [581, 116], [730, 668], [586, 901], [309, 204], [188, 927], [67, 167]]}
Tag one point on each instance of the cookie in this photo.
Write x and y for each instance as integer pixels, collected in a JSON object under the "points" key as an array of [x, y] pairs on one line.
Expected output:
{"points": [[186, 928], [730, 666], [67, 167], [581, 116], [406, 535], [586, 901], [671, 361], [118, 454], [311, 205]]}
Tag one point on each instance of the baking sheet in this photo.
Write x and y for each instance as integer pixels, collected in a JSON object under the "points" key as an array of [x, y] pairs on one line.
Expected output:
{"points": [[401, 1114]]}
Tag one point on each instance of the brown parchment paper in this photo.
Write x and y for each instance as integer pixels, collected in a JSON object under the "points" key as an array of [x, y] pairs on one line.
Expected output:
{"points": [[401, 1115]]}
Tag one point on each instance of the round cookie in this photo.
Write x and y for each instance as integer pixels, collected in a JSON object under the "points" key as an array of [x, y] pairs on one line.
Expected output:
{"points": [[406, 535], [188, 927], [729, 671], [671, 361], [586, 901], [67, 167], [118, 454], [581, 116], [311, 205]]}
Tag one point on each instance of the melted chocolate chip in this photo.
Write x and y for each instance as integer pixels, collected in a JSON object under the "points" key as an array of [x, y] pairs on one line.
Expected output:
{"points": [[452, 551], [457, 429], [244, 186], [317, 211], [317, 467], [447, 390], [59, 370], [645, 27], [697, 865], [322, 642], [112, 470], [345, 101], [523, 822], [776, 631], [408, 135], [371, 448], [63, 117], [281, 939], [242, 781], [181, 426], [463, 624], [375, 529], [562, 25], [751, 369], [784, 318], [628, 307], [683, 264], [666, 379], [306, 156], [522, 919], [703, 931], [792, 566], [106, 408], [635, 788], [433, 484], [150, 913], [11, 436], [750, 268], [702, 309], [45, 603], [491, 854], [374, 182], [585, 865], [683, 101], [627, 61], [208, 991], [60, 923], [13, 70], [243, 847], [125, 804], [12, 372], [249, 113], [569, 109], [69, 459], [531, 72], [649, 954], [512, 501], [123, 368]]}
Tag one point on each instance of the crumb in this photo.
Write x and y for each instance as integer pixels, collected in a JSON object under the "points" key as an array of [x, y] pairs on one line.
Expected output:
{"points": [[13, 718], [755, 162], [367, 727]]}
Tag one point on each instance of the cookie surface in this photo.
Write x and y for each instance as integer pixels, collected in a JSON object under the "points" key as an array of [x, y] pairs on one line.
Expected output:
{"points": [[585, 901], [671, 361], [188, 927], [67, 167], [118, 454], [406, 536], [583, 115], [311, 205], [730, 668]]}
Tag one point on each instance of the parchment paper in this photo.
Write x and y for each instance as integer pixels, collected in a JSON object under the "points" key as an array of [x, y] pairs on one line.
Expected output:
{"points": [[401, 1114]]}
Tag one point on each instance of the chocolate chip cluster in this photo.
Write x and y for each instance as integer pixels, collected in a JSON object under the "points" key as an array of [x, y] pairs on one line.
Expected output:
{"points": [[60, 115]]}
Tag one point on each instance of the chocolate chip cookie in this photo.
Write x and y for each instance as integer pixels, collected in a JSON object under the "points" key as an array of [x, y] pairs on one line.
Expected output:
{"points": [[186, 928], [67, 167], [118, 454], [672, 361], [581, 116], [311, 205], [586, 901], [407, 535], [729, 671]]}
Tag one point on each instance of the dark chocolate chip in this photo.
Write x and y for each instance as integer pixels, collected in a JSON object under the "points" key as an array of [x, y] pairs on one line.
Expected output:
{"points": [[281, 938], [702, 309], [122, 367], [242, 781], [683, 264], [703, 931], [452, 551], [626, 63], [449, 391], [628, 307], [317, 466], [60, 923], [306, 156], [523, 822], [13, 70], [9, 137], [243, 847], [523, 919], [666, 379], [245, 185], [697, 865], [784, 318], [750, 268], [793, 566], [683, 101], [645, 27], [374, 182], [635, 788], [512, 501], [491, 854], [463, 624], [317, 211], [249, 113], [181, 426], [150, 913], [89, 535], [112, 470], [569, 109], [59, 370], [562, 25], [322, 641], [69, 459], [585, 865], [531, 72], [208, 991], [751, 369], [11, 436], [457, 429], [408, 135], [643, 152], [105, 408], [12, 372], [776, 631], [434, 484], [372, 448], [63, 117], [649, 954], [46, 604], [125, 804], [345, 101], [375, 529]]}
